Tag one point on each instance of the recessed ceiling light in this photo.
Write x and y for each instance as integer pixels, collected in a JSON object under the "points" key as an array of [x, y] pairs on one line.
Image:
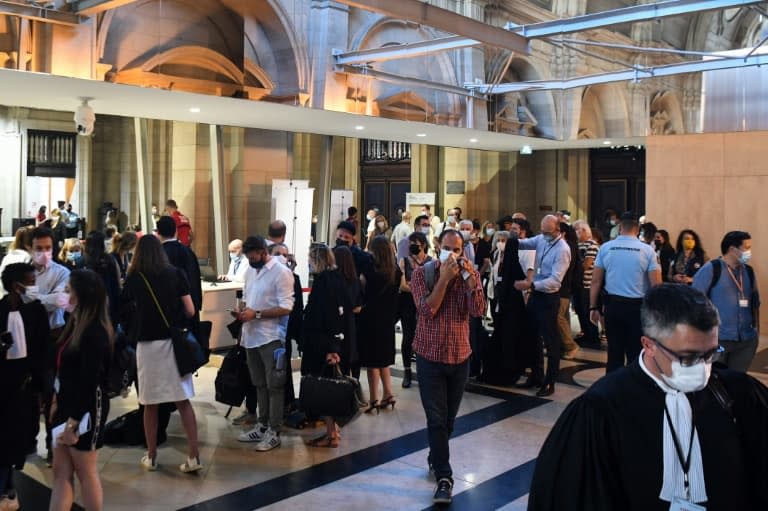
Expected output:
{"points": [[359, 128], [421, 134], [194, 110], [473, 140], [606, 142]]}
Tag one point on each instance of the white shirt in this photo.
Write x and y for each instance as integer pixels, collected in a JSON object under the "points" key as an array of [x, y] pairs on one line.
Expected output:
{"points": [[527, 260], [269, 287], [401, 231], [237, 268], [51, 282]]}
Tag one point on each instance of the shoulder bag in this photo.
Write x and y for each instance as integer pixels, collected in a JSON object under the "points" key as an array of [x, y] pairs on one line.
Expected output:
{"points": [[187, 351], [335, 396]]}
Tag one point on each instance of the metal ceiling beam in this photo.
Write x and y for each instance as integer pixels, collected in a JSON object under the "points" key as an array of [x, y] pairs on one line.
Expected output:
{"points": [[639, 49], [39, 13], [403, 51], [443, 19], [406, 80], [93, 7], [633, 14], [623, 75]]}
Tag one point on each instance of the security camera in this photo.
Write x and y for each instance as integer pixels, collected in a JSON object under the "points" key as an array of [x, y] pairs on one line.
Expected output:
{"points": [[84, 119]]}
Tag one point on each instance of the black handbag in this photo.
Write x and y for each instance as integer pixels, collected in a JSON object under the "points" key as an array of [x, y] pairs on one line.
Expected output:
{"points": [[189, 355], [335, 396]]}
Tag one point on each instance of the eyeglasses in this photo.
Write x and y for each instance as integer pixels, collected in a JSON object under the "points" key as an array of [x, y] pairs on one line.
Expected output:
{"points": [[690, 359]]}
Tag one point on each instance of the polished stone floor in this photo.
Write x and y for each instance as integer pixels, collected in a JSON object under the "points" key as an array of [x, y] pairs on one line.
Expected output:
{"points": [[381, 463]]}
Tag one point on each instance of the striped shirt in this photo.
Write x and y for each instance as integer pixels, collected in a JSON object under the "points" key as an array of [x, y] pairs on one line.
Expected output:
{"points": [[588, 249]]}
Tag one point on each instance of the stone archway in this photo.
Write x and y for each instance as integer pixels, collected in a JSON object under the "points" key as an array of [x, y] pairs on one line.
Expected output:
{"points": [[604, 112]]}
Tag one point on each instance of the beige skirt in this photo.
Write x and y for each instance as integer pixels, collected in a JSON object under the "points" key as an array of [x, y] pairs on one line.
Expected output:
{"points": [[158, 375]]}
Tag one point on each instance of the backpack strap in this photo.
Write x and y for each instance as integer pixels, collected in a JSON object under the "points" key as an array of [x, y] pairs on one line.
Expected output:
{"points": [[717, 269], [429, 275]]}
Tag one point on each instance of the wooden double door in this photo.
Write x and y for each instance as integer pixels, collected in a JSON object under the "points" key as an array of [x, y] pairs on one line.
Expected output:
{"points": [[384, 187]]}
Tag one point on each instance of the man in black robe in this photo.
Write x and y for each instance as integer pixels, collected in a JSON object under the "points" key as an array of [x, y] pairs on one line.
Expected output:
{"points": [[624, 443]]}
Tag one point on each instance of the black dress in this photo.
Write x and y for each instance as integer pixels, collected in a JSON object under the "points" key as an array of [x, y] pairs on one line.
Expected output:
{"points": [[20, 383], [82, 374], [328, 314], [513, 344], [376, 326]]}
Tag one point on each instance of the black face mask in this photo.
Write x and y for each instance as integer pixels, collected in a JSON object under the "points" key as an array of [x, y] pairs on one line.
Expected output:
{"points": [[258, 264], [340, 242], [415, 249]]}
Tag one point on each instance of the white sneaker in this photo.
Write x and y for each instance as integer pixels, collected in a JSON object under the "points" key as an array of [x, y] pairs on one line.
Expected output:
{"points": [[254, 435], [270, 441], [149, 463], [244, 418], [191, 465]]}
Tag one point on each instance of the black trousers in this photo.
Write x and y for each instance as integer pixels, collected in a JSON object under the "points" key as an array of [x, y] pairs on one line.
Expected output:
{"points": [[623, 328], [581, 304], [408, 317], [544, 309]]}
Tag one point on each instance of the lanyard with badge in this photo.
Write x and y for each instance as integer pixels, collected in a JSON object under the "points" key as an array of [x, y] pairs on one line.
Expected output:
{"points": [[550, 247], [685, 504], [743, 301]]}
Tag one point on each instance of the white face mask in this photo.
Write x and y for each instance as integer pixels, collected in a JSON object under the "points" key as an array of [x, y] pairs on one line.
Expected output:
{"points": [[688, 379], [444, 255], [42, 258], [745, 256], [31, 293], [466, 235], [490, 232], [425, 230], [233, 256], [281, 259], [451, 219]]}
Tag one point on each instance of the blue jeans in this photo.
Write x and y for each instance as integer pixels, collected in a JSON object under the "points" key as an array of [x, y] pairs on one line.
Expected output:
{"points": [[441, 387]]}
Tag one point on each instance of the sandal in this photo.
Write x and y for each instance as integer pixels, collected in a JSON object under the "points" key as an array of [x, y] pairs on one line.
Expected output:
{"points": [[325, 441], [387, 401]]}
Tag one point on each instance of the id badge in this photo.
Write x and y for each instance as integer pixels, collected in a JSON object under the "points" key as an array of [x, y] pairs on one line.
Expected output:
{"points": [[679, 504], [538, 271], [56, 385], [498, 279], [743, 302]]}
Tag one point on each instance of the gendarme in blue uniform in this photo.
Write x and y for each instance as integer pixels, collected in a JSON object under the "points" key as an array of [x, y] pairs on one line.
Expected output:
{"points": [[626, 262]]}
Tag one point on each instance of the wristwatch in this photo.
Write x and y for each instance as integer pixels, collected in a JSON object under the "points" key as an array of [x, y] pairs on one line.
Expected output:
{"points": [[258, 314], [533, 287]]}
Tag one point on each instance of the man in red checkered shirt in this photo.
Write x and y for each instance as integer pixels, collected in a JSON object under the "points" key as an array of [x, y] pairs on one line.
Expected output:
{"points": [[442, 347]]}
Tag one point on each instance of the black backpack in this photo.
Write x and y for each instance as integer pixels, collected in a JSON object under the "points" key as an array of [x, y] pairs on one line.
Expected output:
{"points": [[717, 270]]}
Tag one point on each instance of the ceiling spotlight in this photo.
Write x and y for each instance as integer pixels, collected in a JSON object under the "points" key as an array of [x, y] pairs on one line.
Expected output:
{"points": [[194, 110], [359, 128], [526, 149], [421, 134], [473, 140], [606, 142]]}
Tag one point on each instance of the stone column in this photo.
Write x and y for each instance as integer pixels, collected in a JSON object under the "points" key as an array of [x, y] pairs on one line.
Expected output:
{"points": [[329, 30]]}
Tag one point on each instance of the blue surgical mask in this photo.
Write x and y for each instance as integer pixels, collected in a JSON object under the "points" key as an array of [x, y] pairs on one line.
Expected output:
{"points": [[233, 256], [745, 256], [444, 255], [548, 236]]}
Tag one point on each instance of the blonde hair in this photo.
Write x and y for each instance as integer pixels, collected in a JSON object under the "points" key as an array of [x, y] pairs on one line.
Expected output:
{"points": [[322, 255], [23, 239], [69, 246]]}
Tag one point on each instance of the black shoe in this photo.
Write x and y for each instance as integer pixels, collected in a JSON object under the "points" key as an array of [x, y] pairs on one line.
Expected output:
{"points": [[407, 379], [443, 491], [528, 384], [546, 390]]}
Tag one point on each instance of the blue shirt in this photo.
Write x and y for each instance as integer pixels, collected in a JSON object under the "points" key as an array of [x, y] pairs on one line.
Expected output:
{"points": [[626, 262], [553, 258], [736, 323]]}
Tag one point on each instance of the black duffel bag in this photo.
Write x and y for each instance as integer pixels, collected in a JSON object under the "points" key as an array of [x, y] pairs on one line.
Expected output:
{"points": [[233, 379], [335, 396]]}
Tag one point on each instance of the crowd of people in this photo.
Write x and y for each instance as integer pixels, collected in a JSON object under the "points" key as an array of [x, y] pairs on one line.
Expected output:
{"points": [[485, 300]]}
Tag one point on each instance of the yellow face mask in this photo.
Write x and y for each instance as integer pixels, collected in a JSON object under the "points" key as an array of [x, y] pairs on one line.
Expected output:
{"points": [[689, 244]]}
